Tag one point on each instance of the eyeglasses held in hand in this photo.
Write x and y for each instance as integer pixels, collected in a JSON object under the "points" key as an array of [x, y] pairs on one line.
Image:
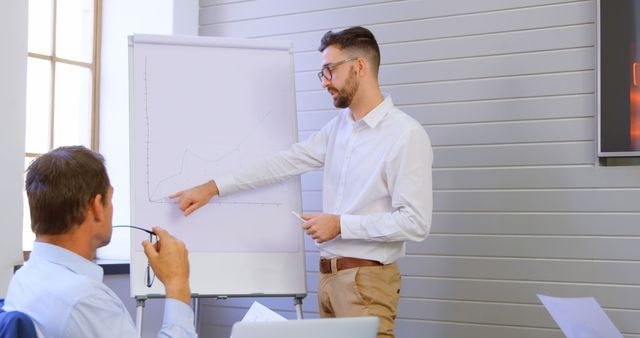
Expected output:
{"points": [[149, 276]]}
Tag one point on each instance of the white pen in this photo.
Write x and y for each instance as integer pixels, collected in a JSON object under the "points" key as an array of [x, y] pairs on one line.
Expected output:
{"points": [[298, 216]]}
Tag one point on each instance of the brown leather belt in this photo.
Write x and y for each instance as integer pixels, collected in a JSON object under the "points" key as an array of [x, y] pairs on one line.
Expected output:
{"points": [[345, 263]]}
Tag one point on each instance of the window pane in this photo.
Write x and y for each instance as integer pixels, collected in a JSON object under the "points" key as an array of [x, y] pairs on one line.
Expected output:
{"points": [[38, 105], [74, 30], [40, 26], [72, 110], [27, 235]]}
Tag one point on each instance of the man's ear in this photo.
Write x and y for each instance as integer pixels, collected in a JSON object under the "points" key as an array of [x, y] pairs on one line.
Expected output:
{"points": [[97, 209], [362, 66]]}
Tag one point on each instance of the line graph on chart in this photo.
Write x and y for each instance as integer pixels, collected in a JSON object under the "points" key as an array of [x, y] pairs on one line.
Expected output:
{"points": [[188, 135], [199, 160], [205, 108], [210, 160]]}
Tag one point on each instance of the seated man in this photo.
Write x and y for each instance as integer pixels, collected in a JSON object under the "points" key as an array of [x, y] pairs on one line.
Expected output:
{"points": [[59, 287]]}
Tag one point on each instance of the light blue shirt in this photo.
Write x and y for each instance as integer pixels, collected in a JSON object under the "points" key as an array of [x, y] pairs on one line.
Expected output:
{"points": [[64, 295]]}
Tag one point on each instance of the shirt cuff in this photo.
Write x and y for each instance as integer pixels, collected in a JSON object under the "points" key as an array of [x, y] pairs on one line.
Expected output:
{"points": [[177, 313], [226, 185], [351, 227]]}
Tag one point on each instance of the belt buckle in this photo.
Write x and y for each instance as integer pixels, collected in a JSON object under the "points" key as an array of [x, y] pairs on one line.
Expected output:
{"points": [[329, 265]]}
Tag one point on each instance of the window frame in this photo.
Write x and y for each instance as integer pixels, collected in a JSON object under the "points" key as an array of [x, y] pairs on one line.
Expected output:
{"points": [[93, 67]]}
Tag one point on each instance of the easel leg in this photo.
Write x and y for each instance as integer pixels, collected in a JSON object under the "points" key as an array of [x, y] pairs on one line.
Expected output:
{"points": [[139, 308], [298, 302], [196, 312]]}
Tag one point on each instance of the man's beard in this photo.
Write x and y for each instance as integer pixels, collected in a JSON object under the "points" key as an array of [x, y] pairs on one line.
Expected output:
{"points": [[346, 94]]}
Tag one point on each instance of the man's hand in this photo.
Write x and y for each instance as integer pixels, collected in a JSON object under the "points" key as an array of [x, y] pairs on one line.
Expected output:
{"points": [[322, 227], [192, 199], [169, 260]]}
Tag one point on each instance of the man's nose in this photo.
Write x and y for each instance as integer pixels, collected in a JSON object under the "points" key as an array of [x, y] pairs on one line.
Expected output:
{"points": [[325, 82]]}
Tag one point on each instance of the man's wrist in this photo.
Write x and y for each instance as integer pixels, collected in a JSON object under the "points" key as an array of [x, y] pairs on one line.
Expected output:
{"points": [[179, 291], [213, 188]]}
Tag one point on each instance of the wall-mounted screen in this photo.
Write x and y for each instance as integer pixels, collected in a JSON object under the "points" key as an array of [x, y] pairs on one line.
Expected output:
{"points": [[618, 78]]}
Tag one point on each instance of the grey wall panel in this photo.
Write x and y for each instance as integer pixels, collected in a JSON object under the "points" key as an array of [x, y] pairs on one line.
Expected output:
{"points": [[314, 120], [312, 200], [519, 269], [449, 26], [591, 223], [626, 248], [535, 40], [303, 135], [469, 90], [555, 130], [510, 109], [475, 68], [494, 88], [260, 9], [237, 308], [489, 66], [496, 314], [332, 18], [505, 88], [476, 312], [312, 181], [583, 200], [477, 290], [551, 177], [208, 330], [206, 3], [531, 40], [310, 246], [436, 329], [222, 315], [577, 200], [541, 154]]}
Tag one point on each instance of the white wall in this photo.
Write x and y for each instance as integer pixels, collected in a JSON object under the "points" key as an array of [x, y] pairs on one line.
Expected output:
{"points": [[185, 17], [505, 88], [13, 67]]}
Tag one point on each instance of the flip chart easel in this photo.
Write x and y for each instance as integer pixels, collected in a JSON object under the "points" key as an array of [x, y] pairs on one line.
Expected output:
{"points": [[201, 107]]}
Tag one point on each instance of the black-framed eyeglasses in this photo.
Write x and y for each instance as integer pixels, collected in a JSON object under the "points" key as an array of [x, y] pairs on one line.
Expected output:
{"points": [[149, 276], [326, 69]]}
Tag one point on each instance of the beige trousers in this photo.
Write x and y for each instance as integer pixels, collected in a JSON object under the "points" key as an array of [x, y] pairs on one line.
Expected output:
{"points": [[363, 291]]}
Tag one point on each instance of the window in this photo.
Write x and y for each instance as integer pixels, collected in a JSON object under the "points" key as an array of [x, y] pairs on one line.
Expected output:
{"points": [[62, 80]]}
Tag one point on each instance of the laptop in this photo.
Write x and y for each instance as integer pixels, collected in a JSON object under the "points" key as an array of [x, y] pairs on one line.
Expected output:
{"points": [[349, 327]]}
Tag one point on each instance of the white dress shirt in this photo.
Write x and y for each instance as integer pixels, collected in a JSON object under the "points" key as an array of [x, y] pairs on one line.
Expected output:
{"points": [[64, 295], [377, 177]]}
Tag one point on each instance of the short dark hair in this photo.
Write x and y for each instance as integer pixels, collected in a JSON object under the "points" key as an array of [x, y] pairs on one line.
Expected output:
{"points": [[358, 39], [60, 186]]}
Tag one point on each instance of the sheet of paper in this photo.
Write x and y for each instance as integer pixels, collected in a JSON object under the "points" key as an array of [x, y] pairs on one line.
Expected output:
{"points": [[260, 313], [580, 317]]}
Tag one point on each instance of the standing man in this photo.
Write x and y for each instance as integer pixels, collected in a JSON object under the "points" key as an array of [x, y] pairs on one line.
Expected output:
{"points": [[59, 287], [377, 183]]}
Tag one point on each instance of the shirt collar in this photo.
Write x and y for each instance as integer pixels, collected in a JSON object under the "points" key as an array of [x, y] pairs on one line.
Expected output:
{"points": [[70, 260], [379, 112]]}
